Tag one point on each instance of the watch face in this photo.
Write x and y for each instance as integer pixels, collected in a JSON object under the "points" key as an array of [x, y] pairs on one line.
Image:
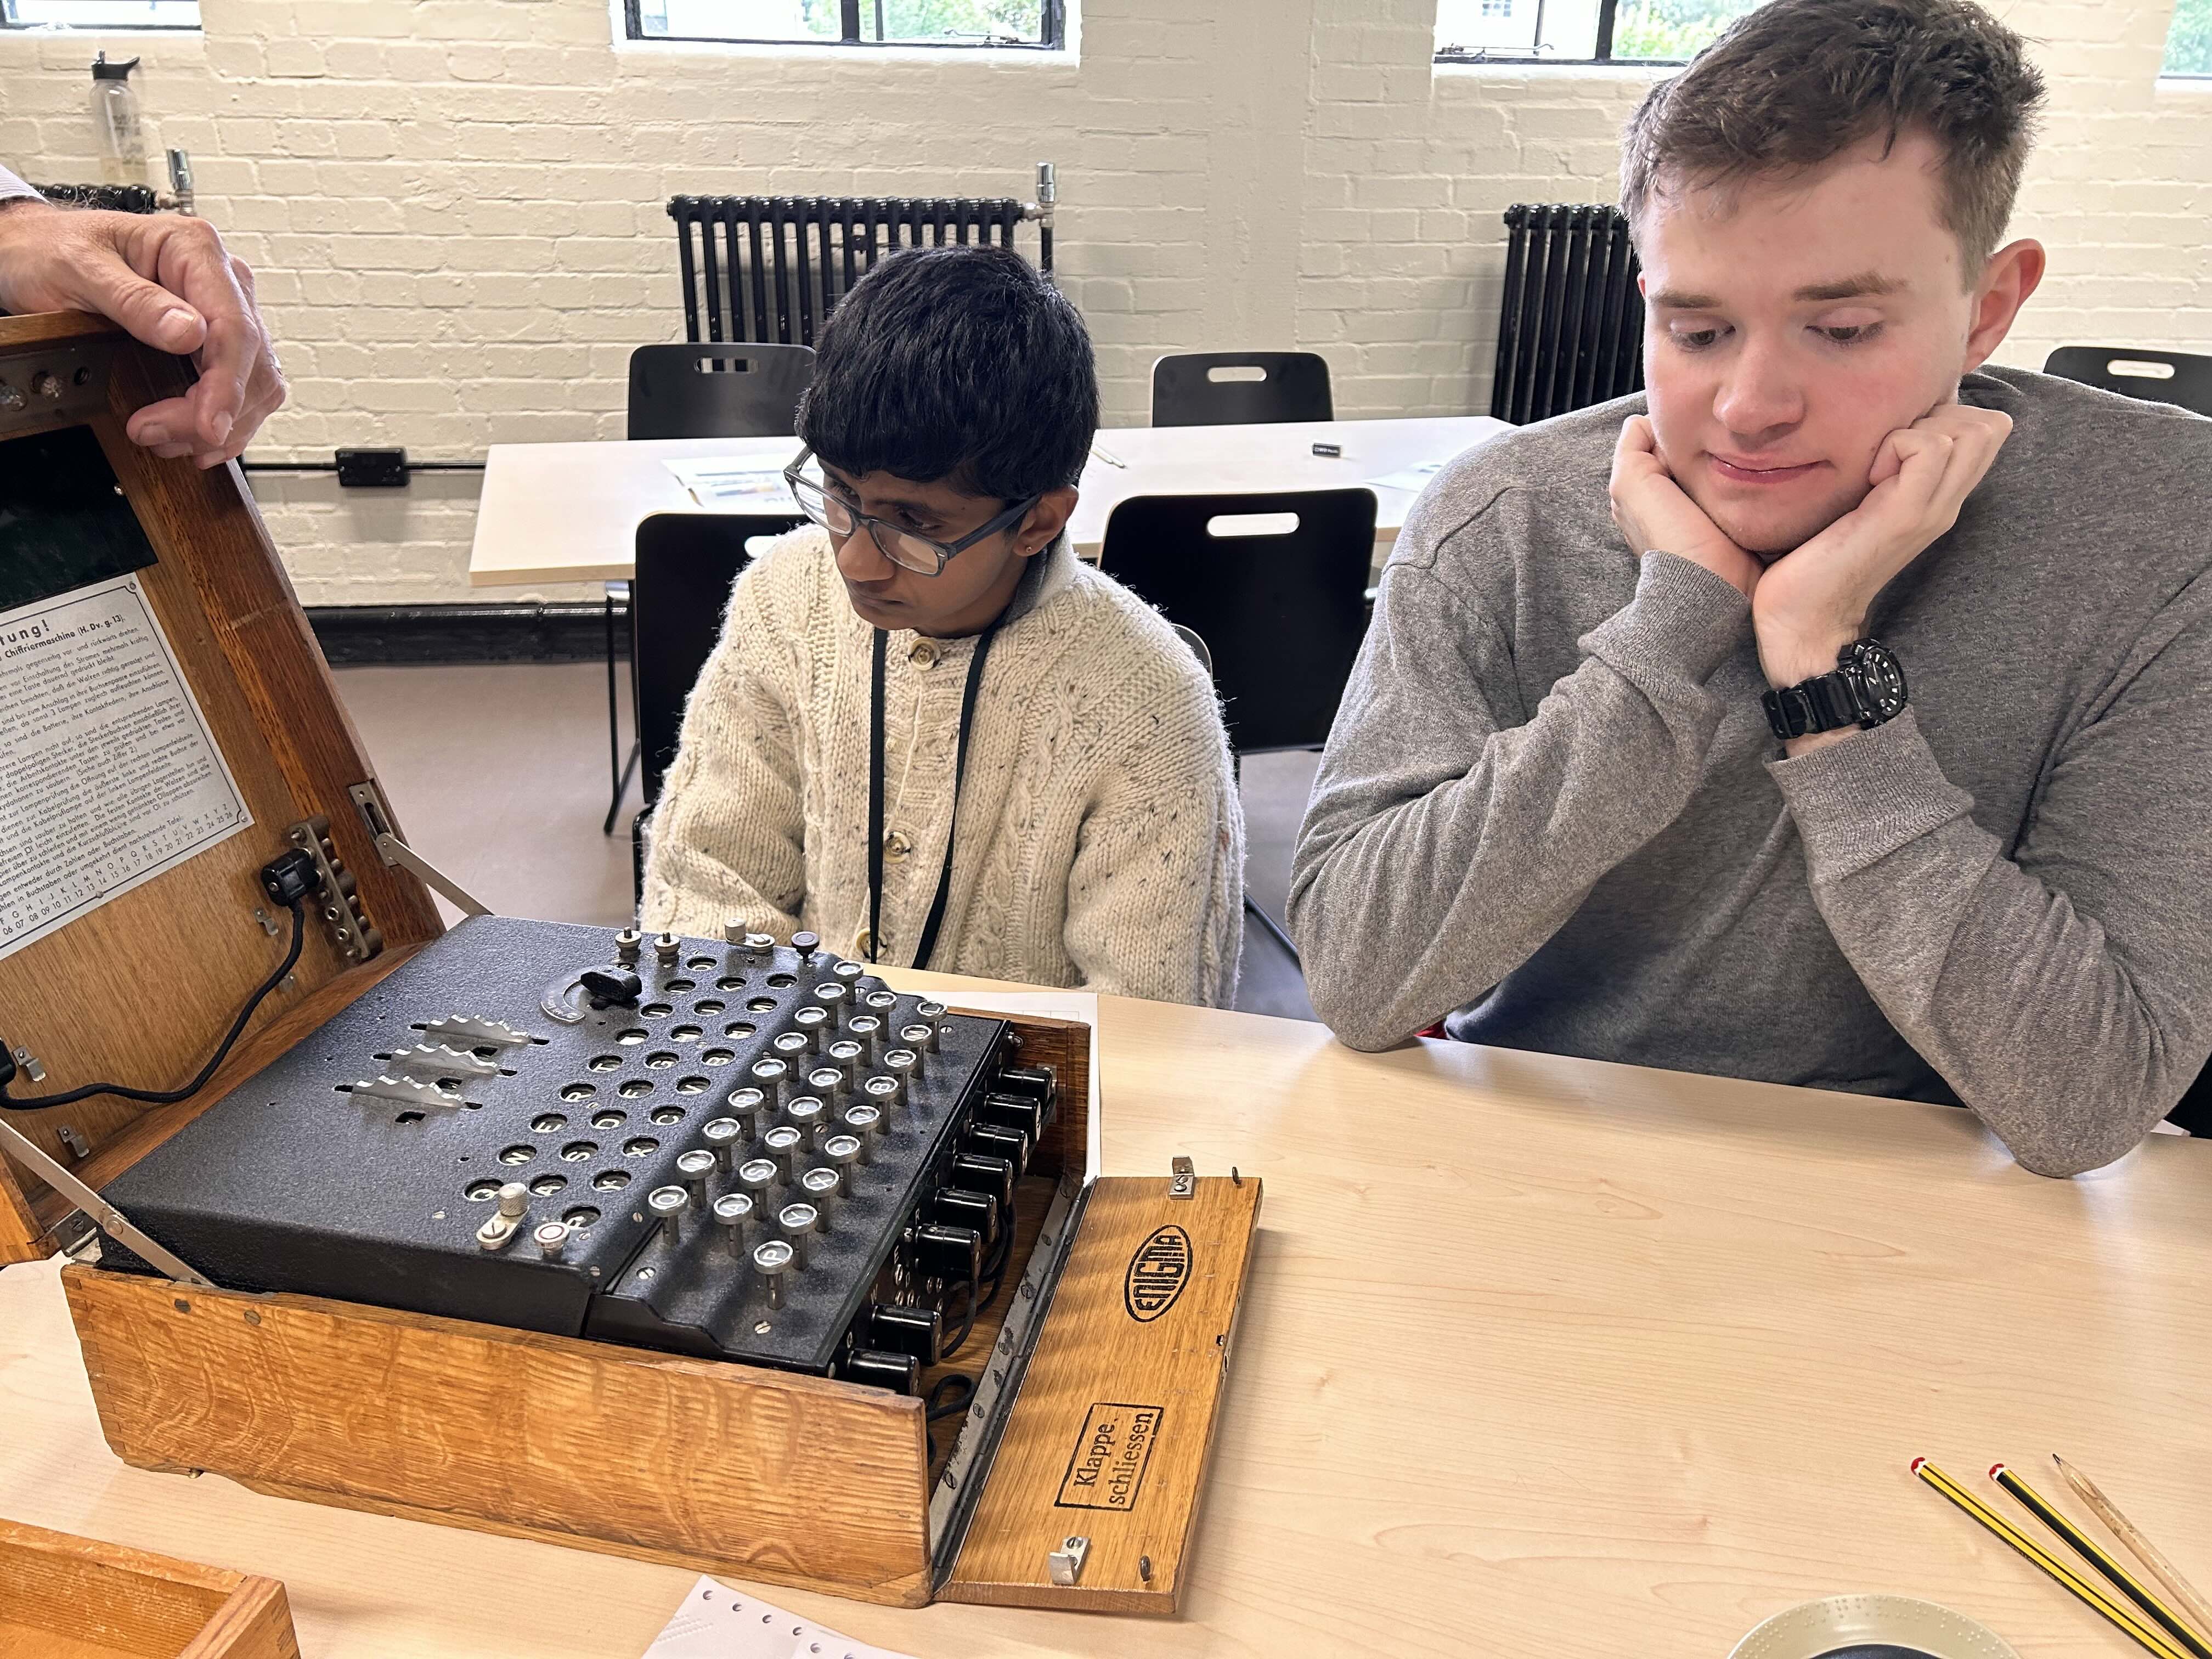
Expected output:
{"points": [[1880, 677]]}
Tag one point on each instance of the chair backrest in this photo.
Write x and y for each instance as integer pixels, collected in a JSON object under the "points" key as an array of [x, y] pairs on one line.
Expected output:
{"points": [[686, 562], [2193, 1112], [716, 391], [1274, 585], [2158, 377], [1240, 388]]}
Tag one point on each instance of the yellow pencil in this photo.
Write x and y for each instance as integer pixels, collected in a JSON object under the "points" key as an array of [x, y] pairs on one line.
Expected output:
{"points": [[2079, 1588], [2087, 1549], [2182, 1593]]}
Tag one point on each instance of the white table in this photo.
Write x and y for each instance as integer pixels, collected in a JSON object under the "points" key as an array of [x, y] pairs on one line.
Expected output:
{"points": [[558, 513], [1558, 1360]]}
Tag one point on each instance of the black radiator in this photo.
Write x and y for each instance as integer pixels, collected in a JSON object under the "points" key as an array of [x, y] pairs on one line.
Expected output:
{"points": [[1570, 332], [770, 268]]}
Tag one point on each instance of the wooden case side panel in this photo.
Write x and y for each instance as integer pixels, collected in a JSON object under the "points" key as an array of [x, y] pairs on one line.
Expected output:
{"points": [[255, 1623], [19, 1228], [107, 1595], [711, 1466], [242, 644], [1110, 1436], [206, 523]]}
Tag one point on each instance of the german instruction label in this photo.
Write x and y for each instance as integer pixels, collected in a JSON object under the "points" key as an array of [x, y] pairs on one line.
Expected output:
{"points": [[1112, 1453], [110, 775]]}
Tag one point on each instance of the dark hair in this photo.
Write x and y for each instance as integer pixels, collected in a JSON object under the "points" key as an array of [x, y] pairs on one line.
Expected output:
{"points": [[961, 363], [1796, 82]]}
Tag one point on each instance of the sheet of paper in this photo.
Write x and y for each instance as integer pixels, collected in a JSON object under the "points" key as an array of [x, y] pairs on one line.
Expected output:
{"points": [[728, 480], [112, 776], [1081, 1006], [717, 1622], [1414, 478]]}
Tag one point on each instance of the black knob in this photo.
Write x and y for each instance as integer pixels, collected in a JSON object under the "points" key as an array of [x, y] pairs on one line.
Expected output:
{"points": [[611, 986], [967, 1209], [948, 1252], [1015, 1112], [916, 1331], [899, 1373], [996, 1140], [985, 1172]]}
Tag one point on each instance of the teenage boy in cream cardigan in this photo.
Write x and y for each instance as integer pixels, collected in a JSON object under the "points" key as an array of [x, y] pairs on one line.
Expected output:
{"points": [[929, 734]]}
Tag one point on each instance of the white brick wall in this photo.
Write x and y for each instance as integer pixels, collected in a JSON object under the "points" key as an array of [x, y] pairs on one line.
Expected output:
{"points": [[455, 206]]}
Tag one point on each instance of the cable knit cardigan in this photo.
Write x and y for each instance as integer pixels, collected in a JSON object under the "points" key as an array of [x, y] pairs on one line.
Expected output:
{"points": [[1100, 839]]}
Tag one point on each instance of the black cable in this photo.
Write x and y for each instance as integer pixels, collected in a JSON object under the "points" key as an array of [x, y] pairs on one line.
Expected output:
{"points": [[942, 1408], [967, 1323], [994, 1270], [164, 1097], [938, 1409]]}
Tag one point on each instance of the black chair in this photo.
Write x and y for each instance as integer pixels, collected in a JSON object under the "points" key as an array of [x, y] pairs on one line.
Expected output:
{"points": [[716, 391], [2193, 1112], [2156, 377], [686, 563], [1279, 610], [697, 391], [1240, 388]]}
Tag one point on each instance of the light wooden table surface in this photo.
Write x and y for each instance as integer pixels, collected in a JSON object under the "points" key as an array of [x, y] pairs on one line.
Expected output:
{"points": [[1540, 1357], [556, 512]]}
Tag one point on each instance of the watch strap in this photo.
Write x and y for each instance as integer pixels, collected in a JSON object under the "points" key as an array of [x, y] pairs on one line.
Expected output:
{"points": [[1826, 703]]}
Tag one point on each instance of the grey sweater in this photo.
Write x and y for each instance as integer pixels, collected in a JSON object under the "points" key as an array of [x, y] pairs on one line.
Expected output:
{"points": [[1552, 802]]}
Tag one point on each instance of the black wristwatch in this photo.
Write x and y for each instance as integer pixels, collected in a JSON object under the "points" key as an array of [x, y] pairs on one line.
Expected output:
{"points": [[1867, 689]]}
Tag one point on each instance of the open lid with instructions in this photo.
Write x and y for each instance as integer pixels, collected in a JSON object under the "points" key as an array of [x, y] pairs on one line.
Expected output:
{"points": [[167, 728], [170, 729]]}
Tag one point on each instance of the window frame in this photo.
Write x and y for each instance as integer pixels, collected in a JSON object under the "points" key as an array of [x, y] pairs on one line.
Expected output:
{"points": [[9, 21], [849, 17], [1603, 49]]}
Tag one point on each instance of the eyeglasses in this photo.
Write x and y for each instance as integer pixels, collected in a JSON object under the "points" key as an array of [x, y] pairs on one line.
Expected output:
{"points": [[903, 548]]}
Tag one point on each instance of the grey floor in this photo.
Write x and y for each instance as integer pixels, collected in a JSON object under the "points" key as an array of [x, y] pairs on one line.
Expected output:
{"points": [[498, 773]]}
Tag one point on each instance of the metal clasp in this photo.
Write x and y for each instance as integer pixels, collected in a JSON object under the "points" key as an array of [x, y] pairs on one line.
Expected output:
{"points": [[1185, 1184], [1065, 1565]]}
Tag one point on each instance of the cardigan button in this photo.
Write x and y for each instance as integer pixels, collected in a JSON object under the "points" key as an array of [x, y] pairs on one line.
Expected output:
{"points": [[924, 654], [864, 944], [896, 846]]}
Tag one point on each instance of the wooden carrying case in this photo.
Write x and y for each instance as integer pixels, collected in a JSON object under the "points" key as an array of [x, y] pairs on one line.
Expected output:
{"points": [[1074, 1479], [62, 1597]]}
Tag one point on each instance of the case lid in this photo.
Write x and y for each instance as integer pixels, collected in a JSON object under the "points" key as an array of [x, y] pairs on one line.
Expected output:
{"points": [[1091, 1499], [167, 719]]}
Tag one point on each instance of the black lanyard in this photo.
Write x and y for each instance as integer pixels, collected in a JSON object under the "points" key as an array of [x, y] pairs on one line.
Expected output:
{"points": [[876, 795]]}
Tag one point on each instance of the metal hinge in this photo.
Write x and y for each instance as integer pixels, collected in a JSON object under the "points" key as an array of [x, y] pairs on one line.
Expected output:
{"points": [[398, 854], [1185, 1184], [118, 1224]]}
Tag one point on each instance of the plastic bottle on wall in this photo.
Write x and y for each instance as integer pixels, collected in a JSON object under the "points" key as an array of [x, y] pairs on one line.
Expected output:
{"points": [[115, 119]]}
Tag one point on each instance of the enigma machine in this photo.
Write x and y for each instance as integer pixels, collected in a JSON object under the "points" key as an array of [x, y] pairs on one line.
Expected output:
{"points": [[722, 1252]]}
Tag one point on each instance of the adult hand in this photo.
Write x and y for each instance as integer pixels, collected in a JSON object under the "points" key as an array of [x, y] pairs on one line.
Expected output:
{"points": [[171, 283], [1658, 515], [1812, 603]]}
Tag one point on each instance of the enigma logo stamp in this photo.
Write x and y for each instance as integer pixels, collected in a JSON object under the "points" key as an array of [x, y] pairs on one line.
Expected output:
{"points": [[1157, 1273]]}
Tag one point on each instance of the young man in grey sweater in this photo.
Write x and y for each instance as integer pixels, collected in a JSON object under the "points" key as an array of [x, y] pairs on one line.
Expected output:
{"points": [[1976, 871]]}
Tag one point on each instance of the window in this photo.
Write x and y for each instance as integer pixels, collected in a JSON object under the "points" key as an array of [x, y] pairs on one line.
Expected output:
{"points": [[1034, 23], [2188, 42], [100, 14], [1588, 30]]}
